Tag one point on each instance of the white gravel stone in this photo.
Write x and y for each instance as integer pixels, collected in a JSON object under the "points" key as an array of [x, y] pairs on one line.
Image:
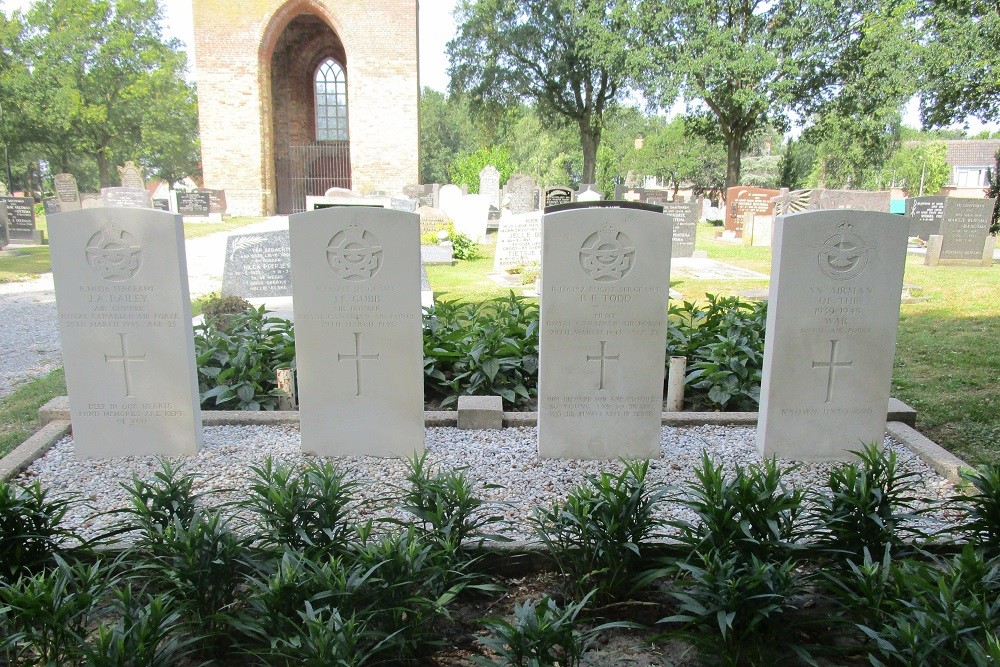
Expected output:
{"points": [[506, 458]]}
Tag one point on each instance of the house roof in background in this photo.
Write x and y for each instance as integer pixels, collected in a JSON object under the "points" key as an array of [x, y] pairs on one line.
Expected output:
{"points": [[967, 152]]}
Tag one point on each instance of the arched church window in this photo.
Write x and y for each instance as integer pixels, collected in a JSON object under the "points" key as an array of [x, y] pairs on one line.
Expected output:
{"points": [[331, 102]]}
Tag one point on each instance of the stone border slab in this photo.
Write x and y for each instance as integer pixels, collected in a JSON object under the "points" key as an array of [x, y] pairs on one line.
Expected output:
{"points": [[937, 457], [33, 448]]}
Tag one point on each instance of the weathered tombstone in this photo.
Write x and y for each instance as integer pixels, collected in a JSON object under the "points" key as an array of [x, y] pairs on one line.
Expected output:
{"points": [[125, 322], [194, 204], [432, 220], [519, 194], [402, 204], [965, 234], [91, 200], [426, 195], [684, 216], [605, 282], [126, 198], [20, 218], [358, 336], [833, 310], [3, 189], [489, 185], [449, 197], [131, 176], [925, 215], [50, 205], [519, 241], [743, 203], [257, 265], [556, 195], [862, 200], [67, 192]]}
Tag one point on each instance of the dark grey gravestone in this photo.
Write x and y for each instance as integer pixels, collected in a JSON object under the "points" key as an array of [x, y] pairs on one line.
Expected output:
{"points": [[964, 227], [161, 204], [20, 218], [426, 195], [861, 200], [556, 195], [258, 265], [925, 215], [51, 205], [685, 220], [67, 192], [194, 204], [216, 200], [126, 198], [403, 204], [4, 235], [520, 193]]}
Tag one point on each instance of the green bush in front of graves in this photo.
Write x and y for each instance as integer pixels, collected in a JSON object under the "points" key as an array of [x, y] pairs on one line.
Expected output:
{"points": [[463, 247], [31, 530], [237, 364], [481, 349], [723, 341]]}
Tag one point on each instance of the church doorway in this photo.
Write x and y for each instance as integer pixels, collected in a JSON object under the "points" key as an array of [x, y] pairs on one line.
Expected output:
{"points": [[311, 139]]}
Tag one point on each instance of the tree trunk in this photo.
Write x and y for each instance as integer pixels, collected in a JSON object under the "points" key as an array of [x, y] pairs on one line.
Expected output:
{"points": [[589, 140], [102, 169], [733, 145]]}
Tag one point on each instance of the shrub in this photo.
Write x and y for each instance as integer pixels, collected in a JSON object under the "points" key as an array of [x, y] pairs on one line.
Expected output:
{"points": [[236, 366], [463, 247], [219, 311], [982, 503], [479, 349], [31, 533], [597, 537], [156, 505]]}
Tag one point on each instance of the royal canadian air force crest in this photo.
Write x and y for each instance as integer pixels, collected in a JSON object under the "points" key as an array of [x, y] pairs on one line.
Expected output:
{"points": [[607, 255], [354, 253], [845, 254], [114, 254]]}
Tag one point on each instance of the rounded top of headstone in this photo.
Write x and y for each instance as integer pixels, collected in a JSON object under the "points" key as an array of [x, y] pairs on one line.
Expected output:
{"points": [[429, 213], [342, 193]]}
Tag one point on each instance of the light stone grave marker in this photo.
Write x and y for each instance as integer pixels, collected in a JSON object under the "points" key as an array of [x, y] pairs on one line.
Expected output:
{"points": [[519, 194], [126, 198], [359, 348], [67, 192], [131, 176], [471, 214], [519, 241], [605, 284], [449, 197], [125, 323], [833, 311], [489, 185]]}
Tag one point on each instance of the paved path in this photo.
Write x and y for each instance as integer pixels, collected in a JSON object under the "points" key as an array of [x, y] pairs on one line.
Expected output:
{"points": [[29, 337]]}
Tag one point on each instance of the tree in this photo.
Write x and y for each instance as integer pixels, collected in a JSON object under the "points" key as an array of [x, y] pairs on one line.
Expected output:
{"points": [[465, 169], [103, 84], [960, 62], [747, 65], [557, 54], [920, 168], [447, 130]]}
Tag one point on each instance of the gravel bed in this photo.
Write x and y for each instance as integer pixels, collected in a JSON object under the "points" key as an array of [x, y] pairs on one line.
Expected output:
{"points": [[507, 458], [29, 344]]}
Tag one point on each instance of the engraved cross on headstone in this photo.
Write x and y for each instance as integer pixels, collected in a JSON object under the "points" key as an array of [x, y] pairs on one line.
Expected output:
{"points": [[602, 358], [125, 358], [357, 357], [831, 366]]}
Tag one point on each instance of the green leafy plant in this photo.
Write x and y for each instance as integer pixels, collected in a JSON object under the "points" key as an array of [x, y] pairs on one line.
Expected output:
{"points": [[326, 639], [479, 349], [598, 536], [868, 506], [31, 530], [219, 311], [463, 247], [982, 503], [724, 344], [156, 505], [236, 365], [307, 510], [543, 634]]}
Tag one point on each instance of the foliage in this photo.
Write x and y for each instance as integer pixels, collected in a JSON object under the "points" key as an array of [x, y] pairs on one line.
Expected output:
{"points": [[796, 164], [146, 633], [982, 502], [543, 634], [598, 535], [31, 534], [156, 505], [481, 349], [236, 367], [462, 247], [218, 310], [555, 54], [724, 343], [919, 168], [994, 193], [867, 506], [466, 167], [447, 130], [306, 511]]}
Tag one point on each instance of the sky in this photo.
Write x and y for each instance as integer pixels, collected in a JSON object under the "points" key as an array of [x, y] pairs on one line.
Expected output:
{"points": [[436, 27]]}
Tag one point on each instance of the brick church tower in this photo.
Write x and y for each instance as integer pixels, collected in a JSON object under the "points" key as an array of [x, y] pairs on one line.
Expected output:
{"points": [[297, 96]]}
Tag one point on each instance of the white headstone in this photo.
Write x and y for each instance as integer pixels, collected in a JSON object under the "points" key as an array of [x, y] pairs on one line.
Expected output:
{"points": [[125, 322], [449, 197], [67, 192], [489, 185], [519, 241], [471, 215], [605, 285], [589, 195], [358, 335], [833, 310]]}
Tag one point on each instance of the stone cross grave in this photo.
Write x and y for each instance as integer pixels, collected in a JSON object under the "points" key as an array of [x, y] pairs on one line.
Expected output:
{"points": [[358, 331], [964, 238], [833, 310], [20, 218], [131, 176], [67, 192], [684, 216], [489, 185], [519, 194], [124, 197], [125, 323], [605, 284], [519, 241], [925, 215]]}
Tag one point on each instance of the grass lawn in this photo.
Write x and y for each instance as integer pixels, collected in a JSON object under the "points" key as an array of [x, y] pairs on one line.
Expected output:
{"points": [[19, 410], [35, 260]]}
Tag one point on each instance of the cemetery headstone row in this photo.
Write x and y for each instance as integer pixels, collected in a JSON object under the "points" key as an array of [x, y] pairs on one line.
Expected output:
{"points": [[20, 218]]}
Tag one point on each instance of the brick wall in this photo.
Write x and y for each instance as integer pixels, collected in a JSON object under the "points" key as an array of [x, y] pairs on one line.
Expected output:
{"points": [[234, 44]]}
